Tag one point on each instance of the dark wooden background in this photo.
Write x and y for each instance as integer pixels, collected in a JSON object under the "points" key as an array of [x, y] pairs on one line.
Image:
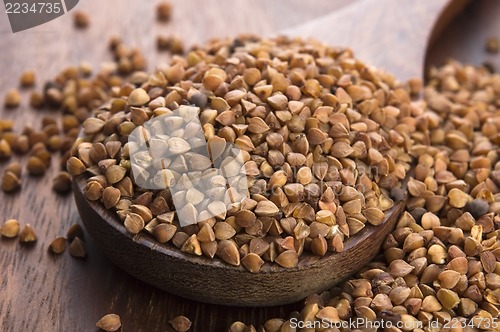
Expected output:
{"points": [[41, 292]]}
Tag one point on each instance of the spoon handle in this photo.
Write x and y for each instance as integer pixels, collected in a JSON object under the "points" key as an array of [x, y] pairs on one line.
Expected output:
{"points": [[389, 34]]}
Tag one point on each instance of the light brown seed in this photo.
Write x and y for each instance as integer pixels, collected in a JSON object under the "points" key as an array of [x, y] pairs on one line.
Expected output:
{"points": [[234, 97], [488, 261], [10, 182], [467, 307], [316, 136], [472, 247], [412, 242], [58, 245], [138, 97], [62, 182], [164, 11], [431, 304], [458, 264], [176, 45], [206, 233], [114, 174], [416, 188], [192, 246], [399, 268], [209, 248], [12, 98], [326, 217], [133, 223], [77, 248], [159, 206], [274, 140], [81, 19], [93, 191], [319, 246], [374, 216], [180, 323], [352, 207], [304, 175], [399, 294], [429, 220], [301, 230], [92, 126], [212, 82], [320, 170], [448, 279], [365, 312], [238, 327], [10, 228], [27, 79], [109, 323], [27, 234], [74, 231], [457, 198], [110, 197], [274, 324], [179, 239], [139, 205], [437, 254], [5, 149], [287, 259], [258, 246], [75, 166], [263, 91], [164, 232], [278, 179], [223, 231], [278, 101], [257, 125], [245, 218], [341, 150], [448, 298], [266, 209], [228, 251], [252, 262], [6, 125], [251, 76]]}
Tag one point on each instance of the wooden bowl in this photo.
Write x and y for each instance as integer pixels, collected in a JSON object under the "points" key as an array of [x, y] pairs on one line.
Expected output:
{"points": [[213, 281]]}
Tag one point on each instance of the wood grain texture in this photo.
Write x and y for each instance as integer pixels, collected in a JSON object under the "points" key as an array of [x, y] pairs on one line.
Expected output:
{"points": [[213, 281], [45, 293]]}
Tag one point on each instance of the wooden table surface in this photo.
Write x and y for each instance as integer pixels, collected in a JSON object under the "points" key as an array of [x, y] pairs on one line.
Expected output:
{"points": [[42, 292]]}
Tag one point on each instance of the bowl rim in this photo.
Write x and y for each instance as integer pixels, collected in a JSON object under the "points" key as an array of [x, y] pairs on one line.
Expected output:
{"points": [[306, 259]]}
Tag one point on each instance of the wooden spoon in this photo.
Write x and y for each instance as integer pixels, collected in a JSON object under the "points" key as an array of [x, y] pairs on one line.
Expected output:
{"points": [[390, 34]]}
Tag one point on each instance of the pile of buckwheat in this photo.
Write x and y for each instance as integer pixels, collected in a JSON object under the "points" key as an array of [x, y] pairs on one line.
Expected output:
{"points": [[440, 266], [326, 142], [323, 137]]}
